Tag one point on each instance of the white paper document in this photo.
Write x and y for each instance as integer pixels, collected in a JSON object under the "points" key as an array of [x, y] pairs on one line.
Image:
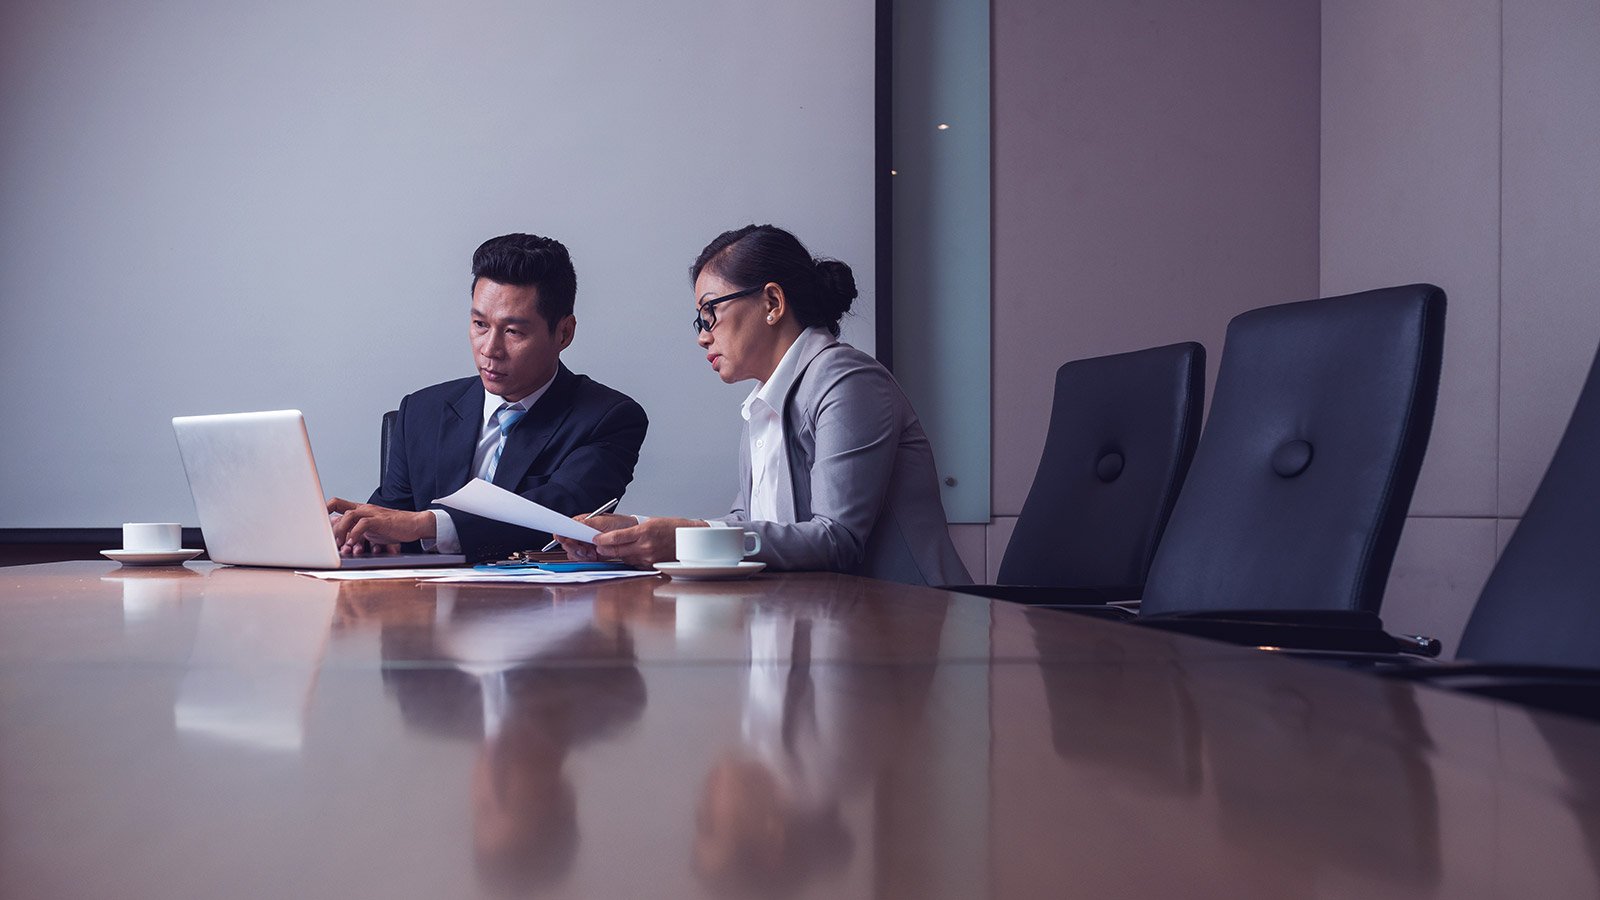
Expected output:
{"points": [[481, 498], [467, 576], [537, 576], [373, 574]]}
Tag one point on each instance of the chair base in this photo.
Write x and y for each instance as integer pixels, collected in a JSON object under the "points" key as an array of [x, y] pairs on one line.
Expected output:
{"points": [[1050, 595], [1114, 612], [1321, 631], [1574, 692]]}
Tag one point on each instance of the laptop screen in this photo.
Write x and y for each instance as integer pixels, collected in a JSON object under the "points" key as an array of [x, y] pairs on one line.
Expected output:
{"points": [[257, 493]]}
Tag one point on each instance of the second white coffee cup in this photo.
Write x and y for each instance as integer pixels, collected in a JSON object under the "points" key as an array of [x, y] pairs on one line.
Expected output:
{"points": [[716, 546], [152, 537]]}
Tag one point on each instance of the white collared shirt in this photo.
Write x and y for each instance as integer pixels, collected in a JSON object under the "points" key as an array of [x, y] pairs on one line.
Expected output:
{"points": [[763, 409], [446, 540], [807, 724]]}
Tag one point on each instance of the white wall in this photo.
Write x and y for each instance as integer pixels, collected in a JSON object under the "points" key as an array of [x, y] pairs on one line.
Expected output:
{"points": [[220, 207], [1458, 148], [1155, 174]]}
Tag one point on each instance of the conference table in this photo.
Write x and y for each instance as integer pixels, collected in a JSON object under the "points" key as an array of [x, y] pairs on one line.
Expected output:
{"points": [[206, 731]]}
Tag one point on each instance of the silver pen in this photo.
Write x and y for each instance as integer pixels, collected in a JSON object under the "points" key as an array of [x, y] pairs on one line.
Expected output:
{"points": [[605, 507]]}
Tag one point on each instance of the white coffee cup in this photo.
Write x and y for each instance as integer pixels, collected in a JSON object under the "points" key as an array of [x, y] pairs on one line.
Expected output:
{"points": [[152, 537], [716, 546]]}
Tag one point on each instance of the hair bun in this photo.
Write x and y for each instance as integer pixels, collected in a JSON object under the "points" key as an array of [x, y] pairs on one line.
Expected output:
{"points": [[838, 286]]}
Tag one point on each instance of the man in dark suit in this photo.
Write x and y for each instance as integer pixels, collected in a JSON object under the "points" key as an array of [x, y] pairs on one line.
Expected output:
{"points": [[526, 423]]}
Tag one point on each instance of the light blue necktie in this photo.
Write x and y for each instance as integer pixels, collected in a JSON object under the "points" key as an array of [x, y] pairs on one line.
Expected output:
{"points": [[506, 418]]}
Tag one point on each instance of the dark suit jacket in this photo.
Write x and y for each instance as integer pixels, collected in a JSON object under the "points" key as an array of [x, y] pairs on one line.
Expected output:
{"points": [[574, 450]]}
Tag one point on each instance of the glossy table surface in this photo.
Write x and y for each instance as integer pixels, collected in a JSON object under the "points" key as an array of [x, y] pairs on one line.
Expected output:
{"points": [[219, 732]]}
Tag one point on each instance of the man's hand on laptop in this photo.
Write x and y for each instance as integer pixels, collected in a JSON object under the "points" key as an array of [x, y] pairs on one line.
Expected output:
{"points": [[362, 528]]}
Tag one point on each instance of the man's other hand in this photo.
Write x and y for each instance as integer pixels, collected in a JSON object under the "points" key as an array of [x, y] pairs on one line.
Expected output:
{"points": [[623, 538]]}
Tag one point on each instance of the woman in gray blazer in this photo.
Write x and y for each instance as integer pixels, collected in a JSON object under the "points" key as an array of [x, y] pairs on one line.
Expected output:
{"points": [[835, 471]]}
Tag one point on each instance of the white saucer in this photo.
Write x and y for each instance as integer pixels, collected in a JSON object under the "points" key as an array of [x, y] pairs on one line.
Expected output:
{"points": [[688, 572], [151, 557]]}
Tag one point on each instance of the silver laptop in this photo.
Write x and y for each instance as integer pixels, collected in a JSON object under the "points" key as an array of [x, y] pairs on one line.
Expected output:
{"points": [[259, 499]]}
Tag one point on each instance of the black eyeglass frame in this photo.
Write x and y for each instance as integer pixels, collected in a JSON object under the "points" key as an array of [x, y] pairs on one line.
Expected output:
{"points": [[706, 318]]}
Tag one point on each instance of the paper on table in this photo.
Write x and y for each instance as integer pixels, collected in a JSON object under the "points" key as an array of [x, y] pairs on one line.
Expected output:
{"points": [[481, 498], [526, 576], [372, 574], [540, 578]]}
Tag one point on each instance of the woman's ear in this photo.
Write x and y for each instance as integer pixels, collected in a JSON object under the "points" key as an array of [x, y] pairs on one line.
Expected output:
{"points": [[777, 303]]}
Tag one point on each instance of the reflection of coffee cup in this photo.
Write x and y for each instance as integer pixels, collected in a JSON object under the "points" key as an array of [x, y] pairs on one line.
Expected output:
{"points": [[144, 598], [716, 546], [152, 537], [708, 609]]}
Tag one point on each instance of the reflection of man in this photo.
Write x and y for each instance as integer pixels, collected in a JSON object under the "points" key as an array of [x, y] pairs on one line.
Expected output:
{"points": [[531, 681], [527, 423]]}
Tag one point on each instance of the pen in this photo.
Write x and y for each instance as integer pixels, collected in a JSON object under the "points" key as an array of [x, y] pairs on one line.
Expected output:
{"points": [[605, 507]]}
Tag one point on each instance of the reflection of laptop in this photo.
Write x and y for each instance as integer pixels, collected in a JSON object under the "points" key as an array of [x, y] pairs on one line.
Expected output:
{"points": [[260, 502]]}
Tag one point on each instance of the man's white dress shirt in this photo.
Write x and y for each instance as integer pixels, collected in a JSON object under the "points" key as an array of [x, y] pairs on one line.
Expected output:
{"points": [[489, 437]]}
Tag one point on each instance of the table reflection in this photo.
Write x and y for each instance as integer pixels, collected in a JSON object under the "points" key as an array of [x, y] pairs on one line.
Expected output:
{"points": [[150, 593], [160, 610], [1578, 768], [259, 645], [800, 735], [1308, 779], [708, 617], [1136, 720], [823, 715], [529, 676], [1296, 778]]}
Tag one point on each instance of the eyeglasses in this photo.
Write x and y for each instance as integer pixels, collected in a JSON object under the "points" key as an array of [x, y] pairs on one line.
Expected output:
{"points": [[706, 318]]}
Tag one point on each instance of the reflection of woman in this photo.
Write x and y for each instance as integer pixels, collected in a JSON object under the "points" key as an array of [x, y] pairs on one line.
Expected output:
{"points": [[835, 470], [817, 730]]}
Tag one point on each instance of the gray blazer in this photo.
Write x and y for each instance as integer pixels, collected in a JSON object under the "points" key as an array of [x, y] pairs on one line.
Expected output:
{"points": [[863, 496]]}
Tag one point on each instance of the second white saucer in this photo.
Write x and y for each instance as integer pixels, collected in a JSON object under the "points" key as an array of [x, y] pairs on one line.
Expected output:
{"points": [[690, 572]]}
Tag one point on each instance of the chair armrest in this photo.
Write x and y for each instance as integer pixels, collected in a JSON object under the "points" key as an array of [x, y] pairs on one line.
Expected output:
{"points": [[1048, 595]]}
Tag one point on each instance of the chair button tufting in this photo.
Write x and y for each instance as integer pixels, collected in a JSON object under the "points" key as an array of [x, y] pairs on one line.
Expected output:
{"points": [[1292, 458], [1109, 466]]}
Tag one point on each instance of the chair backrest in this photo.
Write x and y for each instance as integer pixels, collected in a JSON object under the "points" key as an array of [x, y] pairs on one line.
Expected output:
{"points": [[1300, 485], [1122, 431], [384, 440], [1542, 603]]}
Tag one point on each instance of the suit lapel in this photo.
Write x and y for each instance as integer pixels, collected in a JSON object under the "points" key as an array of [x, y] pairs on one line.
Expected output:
{"points": [[785, 489], [531, 435], [458, 437]]}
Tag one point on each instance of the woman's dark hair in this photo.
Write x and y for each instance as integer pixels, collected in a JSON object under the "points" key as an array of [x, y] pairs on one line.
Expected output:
{"points": [[818, 290], [528, 260]]}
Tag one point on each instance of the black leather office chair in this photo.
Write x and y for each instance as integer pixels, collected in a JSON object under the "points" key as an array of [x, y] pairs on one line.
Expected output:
{"points": [[1122, 432], [1286, 527], [384, 440], [1541, 605], [1534, 636]]}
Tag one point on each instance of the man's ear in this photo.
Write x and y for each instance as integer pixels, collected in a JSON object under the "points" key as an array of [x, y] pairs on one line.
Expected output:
{"points": [[565, 330]]}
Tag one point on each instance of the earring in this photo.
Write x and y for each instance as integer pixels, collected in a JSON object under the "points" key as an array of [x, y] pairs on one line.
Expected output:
{"points": [[770, 319]]}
